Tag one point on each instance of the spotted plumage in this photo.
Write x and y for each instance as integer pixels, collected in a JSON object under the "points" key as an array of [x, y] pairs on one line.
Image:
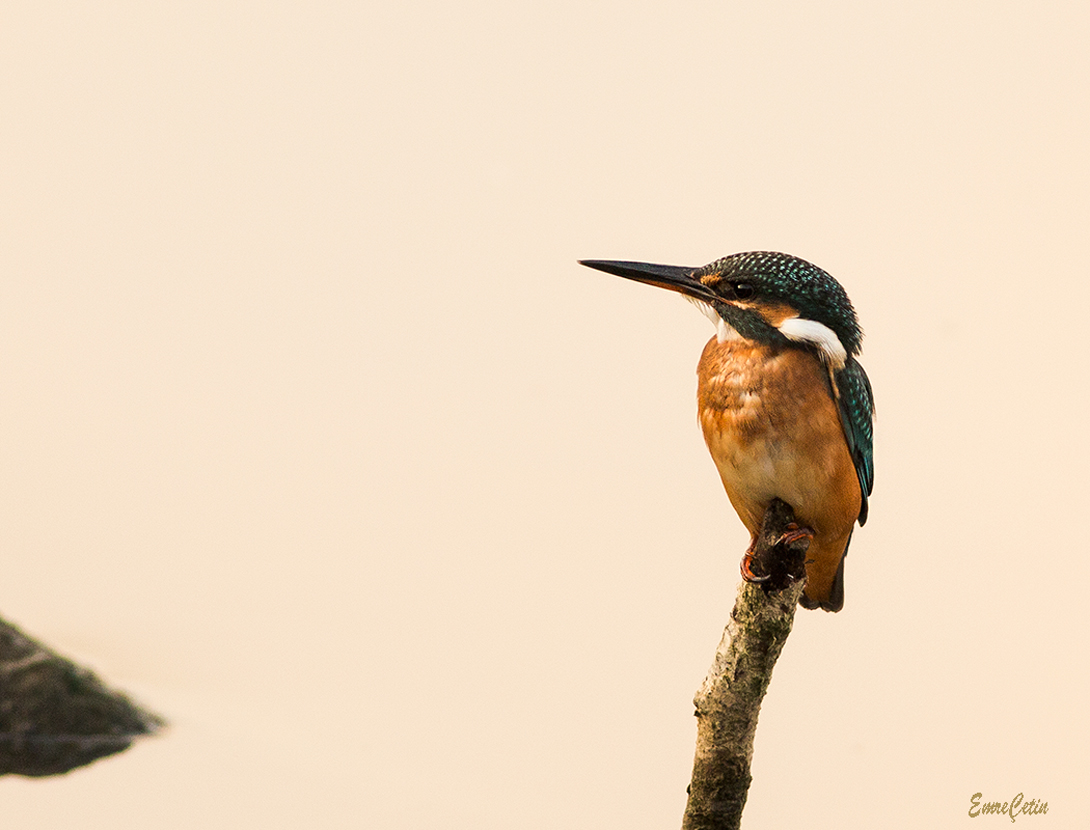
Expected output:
{"points": [[786, 409]]}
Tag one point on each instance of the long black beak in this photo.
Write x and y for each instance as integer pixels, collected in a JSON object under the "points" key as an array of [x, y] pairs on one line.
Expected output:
{"points": [[673, 277]]}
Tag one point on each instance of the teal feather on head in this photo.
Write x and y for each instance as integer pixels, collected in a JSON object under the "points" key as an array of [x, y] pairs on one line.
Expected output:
{"points": [[814, 293]]}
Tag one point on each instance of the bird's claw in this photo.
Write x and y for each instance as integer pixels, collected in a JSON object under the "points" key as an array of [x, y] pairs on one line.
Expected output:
{"points": [[794, 533], [747, 573]]}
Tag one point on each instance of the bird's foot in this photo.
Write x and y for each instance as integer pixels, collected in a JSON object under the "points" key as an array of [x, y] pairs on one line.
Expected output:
{"points": [[794, 533], [747, 571]]}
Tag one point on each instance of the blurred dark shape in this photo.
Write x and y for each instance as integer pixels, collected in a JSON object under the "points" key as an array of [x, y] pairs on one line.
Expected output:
{"points": [[56, 716]]}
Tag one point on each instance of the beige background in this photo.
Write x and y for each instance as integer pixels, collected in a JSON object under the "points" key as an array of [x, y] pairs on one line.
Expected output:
{"points": [[314, 436]]}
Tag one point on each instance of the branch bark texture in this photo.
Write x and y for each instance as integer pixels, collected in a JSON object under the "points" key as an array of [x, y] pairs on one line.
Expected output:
{"points": [[729, 701]]}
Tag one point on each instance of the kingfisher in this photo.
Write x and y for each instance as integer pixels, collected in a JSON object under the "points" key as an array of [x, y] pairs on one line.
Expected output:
{"points": [[786, 410]]}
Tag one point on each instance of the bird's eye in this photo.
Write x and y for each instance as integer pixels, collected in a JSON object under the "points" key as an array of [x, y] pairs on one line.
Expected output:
{"points": [[742, 290]]}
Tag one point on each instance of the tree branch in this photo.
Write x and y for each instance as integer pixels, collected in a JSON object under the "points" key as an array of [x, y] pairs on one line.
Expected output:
{"points": [[729, 701]]}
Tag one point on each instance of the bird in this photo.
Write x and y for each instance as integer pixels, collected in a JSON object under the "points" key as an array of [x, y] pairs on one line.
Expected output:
{"points": [[786, 409]]}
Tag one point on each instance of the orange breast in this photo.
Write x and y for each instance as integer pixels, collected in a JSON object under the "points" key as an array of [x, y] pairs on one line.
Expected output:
{"points": [[774, 431]]}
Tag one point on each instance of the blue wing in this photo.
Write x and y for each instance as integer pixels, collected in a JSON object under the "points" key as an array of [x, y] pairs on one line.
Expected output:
{"points": [[856, 402]]}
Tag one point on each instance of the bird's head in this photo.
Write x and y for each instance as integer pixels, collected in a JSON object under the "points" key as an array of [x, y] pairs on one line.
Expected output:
{"points": [[760, 295]]}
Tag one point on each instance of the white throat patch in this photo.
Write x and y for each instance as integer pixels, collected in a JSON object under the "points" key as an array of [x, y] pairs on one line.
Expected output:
{"points": [[810, 331], [723, 330]]}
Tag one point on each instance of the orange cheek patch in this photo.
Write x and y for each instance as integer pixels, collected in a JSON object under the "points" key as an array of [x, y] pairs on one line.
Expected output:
{"points": [[775, 314]]}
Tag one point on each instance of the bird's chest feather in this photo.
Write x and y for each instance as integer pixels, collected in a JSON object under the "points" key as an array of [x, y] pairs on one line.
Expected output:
{"points": [[774, 431]]}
